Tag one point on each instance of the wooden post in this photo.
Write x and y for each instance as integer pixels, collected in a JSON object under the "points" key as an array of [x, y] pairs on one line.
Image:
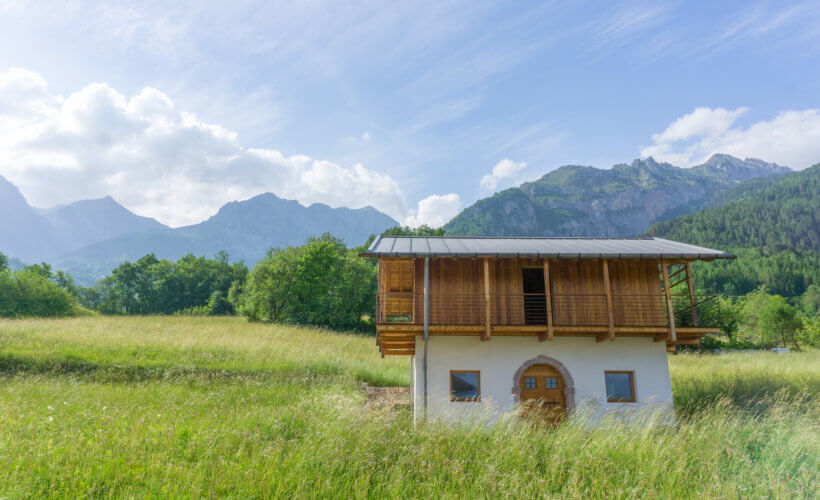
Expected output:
{"points": [[673, 334], [691, 294], [486, 334], [610, 314], [550, 333]]}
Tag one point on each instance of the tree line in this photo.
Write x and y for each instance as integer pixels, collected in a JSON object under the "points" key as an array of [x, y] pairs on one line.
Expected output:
{"points": [[324, 283]]}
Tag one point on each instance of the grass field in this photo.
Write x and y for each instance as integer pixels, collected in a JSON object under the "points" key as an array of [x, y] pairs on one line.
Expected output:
{"points": [[182, 407]]}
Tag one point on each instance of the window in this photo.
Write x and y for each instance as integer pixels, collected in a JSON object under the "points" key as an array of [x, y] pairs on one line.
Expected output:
{"points": [[465, 385], [551, 382], [620, 387], [529, 382]]}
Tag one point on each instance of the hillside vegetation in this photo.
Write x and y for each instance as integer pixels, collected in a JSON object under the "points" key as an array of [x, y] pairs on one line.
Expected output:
{"points": [[771, 224], [191, 407], [771, 214]]}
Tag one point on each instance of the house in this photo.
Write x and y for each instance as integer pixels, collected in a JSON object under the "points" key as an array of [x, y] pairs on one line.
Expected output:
{"points": [[556, 324]]}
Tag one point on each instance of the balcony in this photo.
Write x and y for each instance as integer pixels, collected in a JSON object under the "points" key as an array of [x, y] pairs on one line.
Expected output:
{"points": [[525, 310]]}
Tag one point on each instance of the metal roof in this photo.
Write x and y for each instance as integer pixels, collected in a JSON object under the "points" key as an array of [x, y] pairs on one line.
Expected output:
{"points": [[554, 248]]}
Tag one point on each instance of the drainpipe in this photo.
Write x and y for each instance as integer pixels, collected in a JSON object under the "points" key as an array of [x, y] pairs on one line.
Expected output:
{"points": [[426, 328]]}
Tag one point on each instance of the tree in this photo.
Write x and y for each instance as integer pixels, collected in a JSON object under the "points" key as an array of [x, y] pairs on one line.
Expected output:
{"points": [[320, 283], [810, 300], [159, 286], [32, 292], [779, 322], [423, 230], [769, 320], [4, 262]]}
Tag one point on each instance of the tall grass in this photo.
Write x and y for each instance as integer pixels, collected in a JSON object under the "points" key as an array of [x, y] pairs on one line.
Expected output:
{"points": [[188, 407], [748, 379]]}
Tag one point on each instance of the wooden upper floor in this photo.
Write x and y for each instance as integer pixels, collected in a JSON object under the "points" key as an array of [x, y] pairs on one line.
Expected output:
{"points": [[600, 295]]}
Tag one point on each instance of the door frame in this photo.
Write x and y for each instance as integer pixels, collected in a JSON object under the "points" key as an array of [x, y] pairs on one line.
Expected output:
{"points": [[569, 385]]}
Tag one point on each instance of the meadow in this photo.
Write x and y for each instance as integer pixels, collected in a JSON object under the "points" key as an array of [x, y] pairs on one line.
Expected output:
{"points": [[183, 407]]}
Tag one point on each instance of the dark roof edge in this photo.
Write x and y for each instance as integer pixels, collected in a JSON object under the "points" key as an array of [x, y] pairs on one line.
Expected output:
{"points": [[524, 255]]}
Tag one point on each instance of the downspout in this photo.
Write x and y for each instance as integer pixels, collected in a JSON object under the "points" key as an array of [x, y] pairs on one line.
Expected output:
{"points": [[426, 328]]}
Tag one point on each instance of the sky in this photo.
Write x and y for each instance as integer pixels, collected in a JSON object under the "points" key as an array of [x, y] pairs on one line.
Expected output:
{"points": [[418, 109]]}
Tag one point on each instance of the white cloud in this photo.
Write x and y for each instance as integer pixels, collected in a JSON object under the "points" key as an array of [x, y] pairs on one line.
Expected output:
{"points": [[435, 210], [366, 137], [700, 122], [791, 138], [502, 170], [154, 159]]}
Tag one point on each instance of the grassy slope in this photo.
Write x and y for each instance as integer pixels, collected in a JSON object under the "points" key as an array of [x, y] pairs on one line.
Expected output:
{"points": [[191, 407]]}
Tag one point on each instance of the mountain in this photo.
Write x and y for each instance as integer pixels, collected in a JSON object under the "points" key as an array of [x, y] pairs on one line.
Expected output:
{"points": [[90, 221], [245, 229], [89, 238], [771, 214], [34, 235], [771, 224], [23, 232], [622, 201]]}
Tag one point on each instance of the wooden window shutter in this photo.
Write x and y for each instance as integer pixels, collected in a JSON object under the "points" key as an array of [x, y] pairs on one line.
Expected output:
{"points": [[399, 276]]}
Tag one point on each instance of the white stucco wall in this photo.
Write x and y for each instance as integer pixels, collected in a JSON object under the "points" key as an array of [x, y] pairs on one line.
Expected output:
{"points": [[500, 358]]}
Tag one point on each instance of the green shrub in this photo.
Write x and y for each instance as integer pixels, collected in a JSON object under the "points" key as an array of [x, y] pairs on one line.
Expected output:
{"points": [[32, 292], [319, 283]]}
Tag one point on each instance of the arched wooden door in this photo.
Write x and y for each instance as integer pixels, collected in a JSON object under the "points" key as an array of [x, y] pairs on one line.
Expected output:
{"points": [[542, 392]]}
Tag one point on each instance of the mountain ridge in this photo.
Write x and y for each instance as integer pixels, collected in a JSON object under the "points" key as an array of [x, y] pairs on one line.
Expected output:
{"points": [[575, 200], [244, 229], [41, 234]]}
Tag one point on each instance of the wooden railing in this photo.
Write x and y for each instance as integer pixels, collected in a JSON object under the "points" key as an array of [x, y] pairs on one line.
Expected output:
{"points": [[531, 309]]}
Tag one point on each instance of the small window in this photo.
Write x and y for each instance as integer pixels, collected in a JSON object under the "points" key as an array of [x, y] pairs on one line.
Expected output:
{"points": [[529, 382], [620, 387], [551, 382], [465, 385]]}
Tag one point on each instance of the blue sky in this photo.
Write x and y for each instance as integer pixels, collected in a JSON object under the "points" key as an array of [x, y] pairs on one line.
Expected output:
{"points": [[176, 110]]}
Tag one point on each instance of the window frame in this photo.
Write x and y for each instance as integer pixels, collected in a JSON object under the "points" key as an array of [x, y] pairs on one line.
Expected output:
{"points": [[547, 383], [631, 374], [526, 382], [465, 400]]}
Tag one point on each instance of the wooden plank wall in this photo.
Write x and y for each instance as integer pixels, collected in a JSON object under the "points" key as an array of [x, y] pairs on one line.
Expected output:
{"points": [[636, 293], [577, 286], [578, 293], [456, 291], [396, 276], [507, 305]]}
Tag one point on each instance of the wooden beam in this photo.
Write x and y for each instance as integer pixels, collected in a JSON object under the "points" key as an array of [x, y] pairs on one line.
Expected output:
{"points": [[487, 318], [697, 330], [610, 313], [399, 345], [691, 294], [677, 273], [539, 330], [678, 282], [396, 327], [392, 336], [673, 335], [688, 342], [550, 333], [534, 329]]}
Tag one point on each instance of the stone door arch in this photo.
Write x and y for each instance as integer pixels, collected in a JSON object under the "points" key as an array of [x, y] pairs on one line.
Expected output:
{"points": [[569, 385]]}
